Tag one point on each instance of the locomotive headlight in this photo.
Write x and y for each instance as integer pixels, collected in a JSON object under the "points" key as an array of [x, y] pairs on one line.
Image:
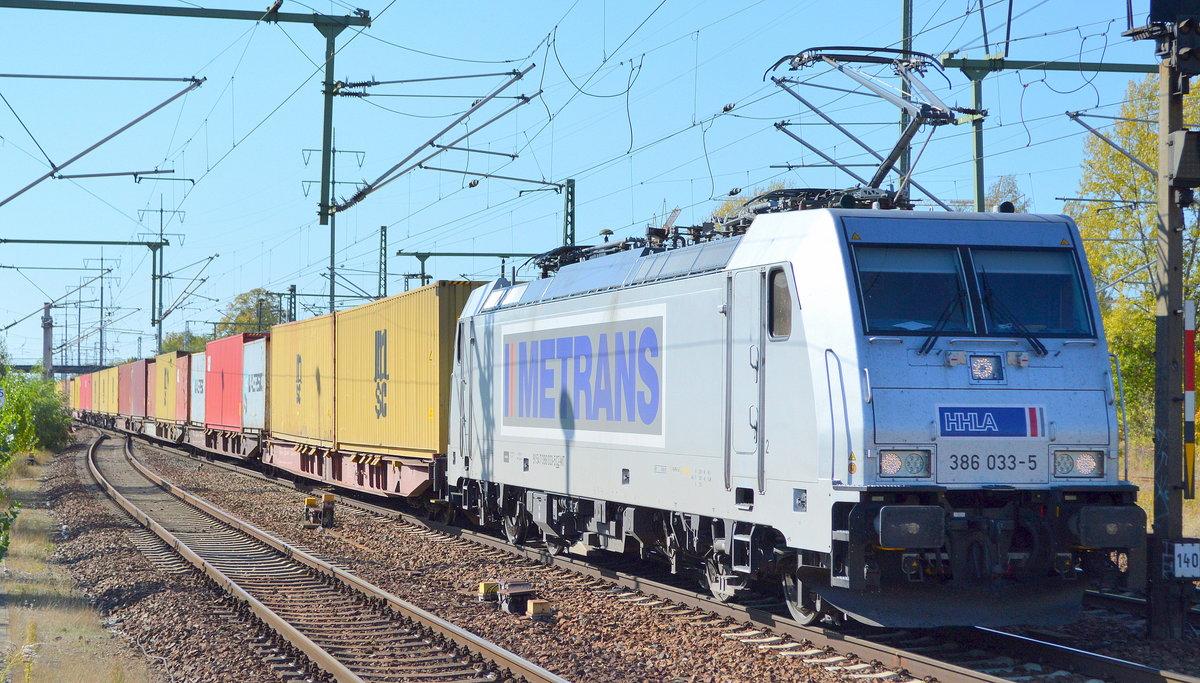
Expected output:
{"points": [[986, 368], [904, 463], [1078, 464]]}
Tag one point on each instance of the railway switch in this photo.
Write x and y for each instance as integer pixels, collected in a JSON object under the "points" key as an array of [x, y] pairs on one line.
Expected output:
{"points": [[514, 595]]}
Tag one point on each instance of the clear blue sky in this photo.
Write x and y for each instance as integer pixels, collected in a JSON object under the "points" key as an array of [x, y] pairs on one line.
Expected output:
{"points": [[631, 107]]}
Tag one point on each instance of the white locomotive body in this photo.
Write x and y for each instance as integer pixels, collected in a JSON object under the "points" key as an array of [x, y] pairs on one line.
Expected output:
{"points": [[907, 417]]}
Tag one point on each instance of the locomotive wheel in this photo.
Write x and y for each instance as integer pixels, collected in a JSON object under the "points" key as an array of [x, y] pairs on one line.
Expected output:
{"points": [[516, 526], [556, 546], [721, 581], [445, 514], [805, 607]]}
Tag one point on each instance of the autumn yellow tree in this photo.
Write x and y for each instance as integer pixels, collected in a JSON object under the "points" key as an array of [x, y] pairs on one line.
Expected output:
{"points": [[1119, 237], [731, 206]]}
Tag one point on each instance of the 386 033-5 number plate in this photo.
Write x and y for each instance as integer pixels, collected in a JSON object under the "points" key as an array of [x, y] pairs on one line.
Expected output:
{"points": [[990, 467]]}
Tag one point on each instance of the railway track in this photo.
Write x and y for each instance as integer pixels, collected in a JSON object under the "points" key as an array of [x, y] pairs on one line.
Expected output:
{"points": [[1129, 603], [346, 628], [948, 654]]}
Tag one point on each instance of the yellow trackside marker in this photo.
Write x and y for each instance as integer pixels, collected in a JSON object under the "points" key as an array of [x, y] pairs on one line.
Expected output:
{"points": [[855, 236], [852, 456], [1065, 243], [1189, 465]]}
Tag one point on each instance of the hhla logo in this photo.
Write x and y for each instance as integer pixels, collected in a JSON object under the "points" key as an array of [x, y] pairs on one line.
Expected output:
{"points": [[381, 374], [970, 422], [299, 376]]}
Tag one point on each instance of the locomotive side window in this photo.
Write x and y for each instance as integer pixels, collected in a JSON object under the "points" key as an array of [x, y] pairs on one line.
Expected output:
{"points": [[1035, 290], [779, 305], [915, 290]]}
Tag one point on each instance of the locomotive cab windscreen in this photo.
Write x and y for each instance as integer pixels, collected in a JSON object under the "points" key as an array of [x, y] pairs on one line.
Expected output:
{"points": [[973, 291]]}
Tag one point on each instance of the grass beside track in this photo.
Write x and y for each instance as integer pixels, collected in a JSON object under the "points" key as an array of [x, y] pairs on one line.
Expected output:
{"points": [[52, 633]]}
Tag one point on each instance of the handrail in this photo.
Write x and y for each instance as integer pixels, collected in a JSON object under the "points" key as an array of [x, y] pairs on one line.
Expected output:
{"points": [[833, 428], [982, 340]]}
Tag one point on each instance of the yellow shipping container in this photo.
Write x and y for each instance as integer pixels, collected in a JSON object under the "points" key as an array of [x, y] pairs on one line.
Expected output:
{"points": [[74, 393], [104, 391], [302, 381], [393, 371], [164, 378]]}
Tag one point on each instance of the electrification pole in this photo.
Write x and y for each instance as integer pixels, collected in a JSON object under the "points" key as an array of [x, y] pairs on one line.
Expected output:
{"points": [[101, 307], [329, 27], [329, 182], [1173, 562], [383, 259], [977, 69], [906, 14], [156, 291], [569, 212], [1167, 613], [1175, 28], [47, 341]]}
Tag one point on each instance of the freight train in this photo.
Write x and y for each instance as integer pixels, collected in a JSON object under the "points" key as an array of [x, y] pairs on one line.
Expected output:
{"points": [[904, 417]]}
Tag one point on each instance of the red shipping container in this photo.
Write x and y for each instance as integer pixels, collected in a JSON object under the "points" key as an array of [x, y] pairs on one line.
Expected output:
{"points": [[137, 393], [125, 389], [150, 386], [183, 387], [85, 391], [131, 389], [223, 382]]}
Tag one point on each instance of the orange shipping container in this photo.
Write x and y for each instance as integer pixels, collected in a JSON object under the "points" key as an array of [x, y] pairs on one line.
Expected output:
{"points": [[302, 381], [393, 371]]}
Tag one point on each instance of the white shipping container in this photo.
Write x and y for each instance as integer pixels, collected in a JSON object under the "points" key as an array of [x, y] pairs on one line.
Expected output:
{"points": [[196, 408], [254, 385]]}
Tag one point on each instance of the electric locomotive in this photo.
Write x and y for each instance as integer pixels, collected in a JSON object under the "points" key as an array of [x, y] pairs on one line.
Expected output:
{"points": [[905, 417]]}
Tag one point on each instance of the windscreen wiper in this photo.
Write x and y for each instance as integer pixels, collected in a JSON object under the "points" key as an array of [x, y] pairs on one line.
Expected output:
{"points": [[995, 305], [942, 320]]}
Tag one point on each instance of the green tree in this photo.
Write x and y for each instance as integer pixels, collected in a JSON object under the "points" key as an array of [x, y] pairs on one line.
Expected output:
{"points": [[1119, 240], [252, 311], [184, 341], [34, 415]]}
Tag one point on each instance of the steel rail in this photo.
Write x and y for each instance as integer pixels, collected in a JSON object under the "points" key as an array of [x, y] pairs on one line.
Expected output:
{"points": [[916, 665], [492, 652], [318, 655], [893, 657]]}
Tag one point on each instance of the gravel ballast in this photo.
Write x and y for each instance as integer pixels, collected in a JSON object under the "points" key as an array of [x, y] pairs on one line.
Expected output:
{"points": [[178, 622], [595, 634]]}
